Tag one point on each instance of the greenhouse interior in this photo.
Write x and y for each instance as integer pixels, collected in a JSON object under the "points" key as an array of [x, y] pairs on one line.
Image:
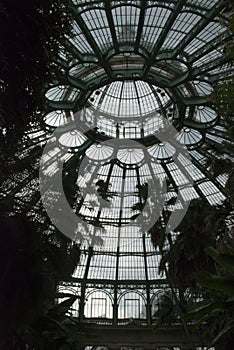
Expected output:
{"points": [[116, 193]]}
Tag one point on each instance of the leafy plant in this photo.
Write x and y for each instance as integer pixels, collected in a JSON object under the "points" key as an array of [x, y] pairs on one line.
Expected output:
{"points": [[166, 309], [199, 229], [30, 40], [56, 330], [218, 311], [32, 262]]}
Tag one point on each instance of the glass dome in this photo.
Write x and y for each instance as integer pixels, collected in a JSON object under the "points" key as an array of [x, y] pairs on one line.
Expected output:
{"points": [[130, 109], [130, 69]]}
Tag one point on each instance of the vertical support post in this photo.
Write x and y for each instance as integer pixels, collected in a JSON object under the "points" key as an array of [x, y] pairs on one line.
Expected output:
{"points": [[83, 286], [115, 306]]}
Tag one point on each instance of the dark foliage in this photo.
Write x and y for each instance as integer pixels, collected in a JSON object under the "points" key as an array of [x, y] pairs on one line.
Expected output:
{"points": [[30, 268], [202, 226], [29, 39]]}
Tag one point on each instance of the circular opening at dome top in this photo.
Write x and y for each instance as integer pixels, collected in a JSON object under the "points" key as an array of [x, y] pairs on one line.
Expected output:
{"points": [[187, 130], [131, 109], [131, 99]]}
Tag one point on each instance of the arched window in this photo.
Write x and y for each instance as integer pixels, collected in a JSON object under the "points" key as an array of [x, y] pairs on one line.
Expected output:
{"points": [[132, 305], [98, 305]]}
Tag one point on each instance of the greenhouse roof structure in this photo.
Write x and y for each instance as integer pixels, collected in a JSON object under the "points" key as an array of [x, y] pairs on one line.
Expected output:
{"points": [[132, 111]]}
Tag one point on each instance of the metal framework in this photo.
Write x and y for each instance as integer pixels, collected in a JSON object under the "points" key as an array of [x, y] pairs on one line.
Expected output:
{"points": [[133, 65]]}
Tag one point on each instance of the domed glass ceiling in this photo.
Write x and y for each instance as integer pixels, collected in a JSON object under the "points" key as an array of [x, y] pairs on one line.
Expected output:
{"points": [[136, 66], [130, 109]]}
